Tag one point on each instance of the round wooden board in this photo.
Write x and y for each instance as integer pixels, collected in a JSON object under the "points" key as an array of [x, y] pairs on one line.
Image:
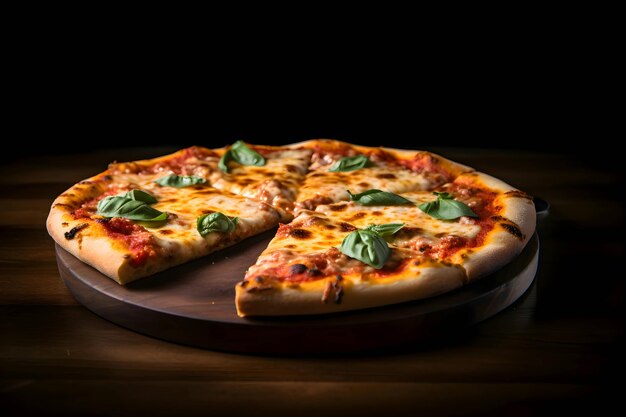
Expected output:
{"points": [[193, 304]]}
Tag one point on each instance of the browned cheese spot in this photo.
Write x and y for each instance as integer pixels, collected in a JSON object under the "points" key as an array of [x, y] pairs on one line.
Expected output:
{"points": [[346, 227], [386, 176], [338, 207], [291, 168], [166, 232], [363, 184], [358, 216], [330, 226], [377, 213], [300, 234], [296, 269]]}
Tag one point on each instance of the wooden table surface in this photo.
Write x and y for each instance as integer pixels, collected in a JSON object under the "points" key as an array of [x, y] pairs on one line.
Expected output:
{"points": [[560, 348]]}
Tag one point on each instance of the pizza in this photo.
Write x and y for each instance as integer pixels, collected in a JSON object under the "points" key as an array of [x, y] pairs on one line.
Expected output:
{"points": [[356, 227]]}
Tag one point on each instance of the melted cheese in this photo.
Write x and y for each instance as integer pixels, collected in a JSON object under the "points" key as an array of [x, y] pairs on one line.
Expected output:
{"points": [[275, 183], [418, 225], [312, 239], [185, 205], [325, 186]]}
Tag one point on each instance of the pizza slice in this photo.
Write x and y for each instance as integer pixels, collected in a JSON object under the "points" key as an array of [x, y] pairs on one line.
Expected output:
{"points": [[382, 248], [303, 271], [267, 173], [338, 166], [141, 217]]}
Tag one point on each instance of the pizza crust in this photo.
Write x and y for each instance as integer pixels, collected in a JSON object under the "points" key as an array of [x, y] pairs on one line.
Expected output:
{"points": [[85, 244], [508, 238], [415, 282]]}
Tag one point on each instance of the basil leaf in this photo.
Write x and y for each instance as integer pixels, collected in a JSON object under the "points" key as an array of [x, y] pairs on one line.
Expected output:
{"points": [[446, 208], [367, 247], [180, 181], [351, 163], [246, 156], [224, 160], [129, 209], [140, 195], [386, 229], [241, 153], [378, 198], [216, 222]]}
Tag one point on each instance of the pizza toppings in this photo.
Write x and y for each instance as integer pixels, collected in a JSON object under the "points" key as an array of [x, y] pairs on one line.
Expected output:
{"points": [[446, 207], [129, 209], [180, 181], [385, 229], [140, 195], [216, 222], [241, 153], [368, 246], [137, 239], [378, 198], [351, 163]]}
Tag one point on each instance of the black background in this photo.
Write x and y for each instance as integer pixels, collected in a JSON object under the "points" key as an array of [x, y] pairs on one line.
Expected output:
{"points": [[60, 112], [67, 93], [96, 120]]}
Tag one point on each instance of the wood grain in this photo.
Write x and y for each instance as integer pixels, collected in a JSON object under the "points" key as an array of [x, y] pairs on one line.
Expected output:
{"points": [[558, 349], [194, 304]]}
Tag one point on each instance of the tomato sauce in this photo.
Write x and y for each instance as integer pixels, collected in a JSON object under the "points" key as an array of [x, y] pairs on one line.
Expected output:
{"points": [[138, 240]]}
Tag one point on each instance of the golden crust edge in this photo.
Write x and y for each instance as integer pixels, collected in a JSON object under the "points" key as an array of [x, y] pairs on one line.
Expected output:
{"points": [[500, 246], [91, 250], [414, 284]]}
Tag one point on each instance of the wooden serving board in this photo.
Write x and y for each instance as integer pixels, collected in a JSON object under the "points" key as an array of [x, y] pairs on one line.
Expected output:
{"points": [[193, 304]]}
